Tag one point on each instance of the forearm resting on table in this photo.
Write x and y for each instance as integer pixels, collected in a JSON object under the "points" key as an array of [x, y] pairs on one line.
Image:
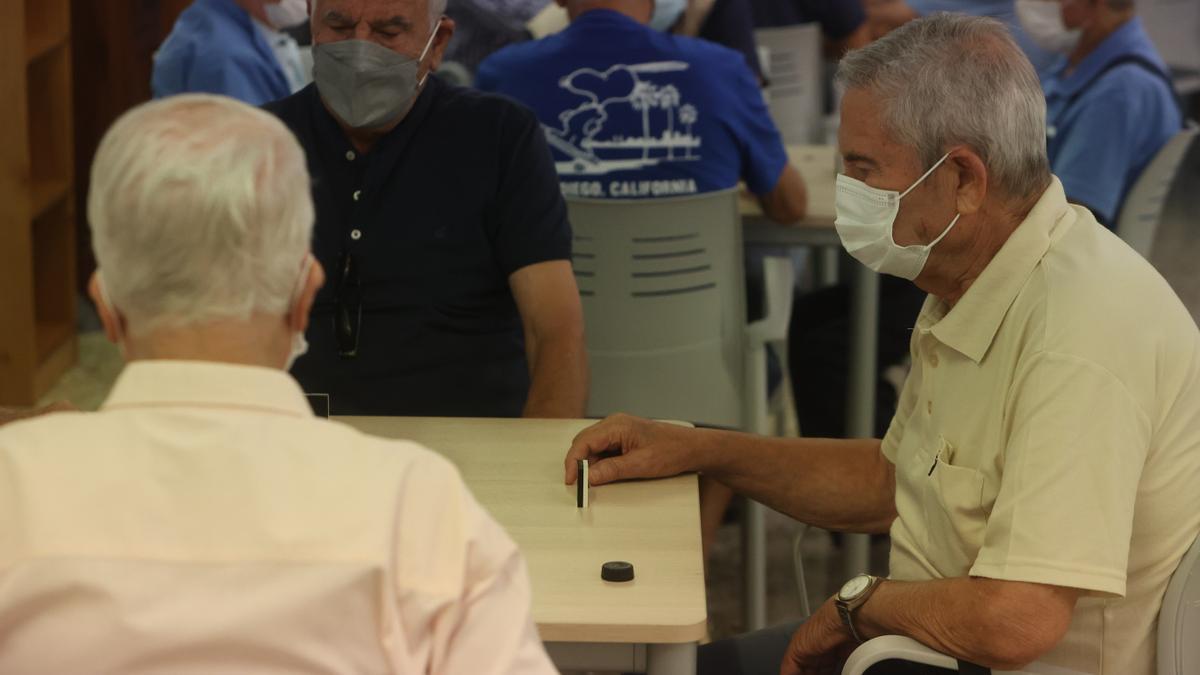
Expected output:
{"points": [[787, 203], [558, 377], [1004, 625], [842, 485]]}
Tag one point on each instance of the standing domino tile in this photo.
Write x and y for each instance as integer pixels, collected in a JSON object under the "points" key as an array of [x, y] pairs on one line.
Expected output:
{"points": [[581, 484]]}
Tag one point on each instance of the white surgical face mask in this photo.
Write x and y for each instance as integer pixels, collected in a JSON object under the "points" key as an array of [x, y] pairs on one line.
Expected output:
{"points": [[865, 216], [299, 343], [666, 14], [1042, 20], [286, 13]]}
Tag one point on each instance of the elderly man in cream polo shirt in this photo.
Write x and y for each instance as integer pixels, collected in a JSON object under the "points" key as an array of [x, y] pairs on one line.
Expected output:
{"points": [[204, 521], [1039, 479]]}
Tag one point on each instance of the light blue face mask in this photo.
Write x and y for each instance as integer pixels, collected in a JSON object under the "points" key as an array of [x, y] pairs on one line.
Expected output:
{"points": [[666, 14]]}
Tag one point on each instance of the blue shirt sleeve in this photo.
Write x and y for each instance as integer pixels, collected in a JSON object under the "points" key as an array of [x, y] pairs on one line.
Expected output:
{"points": [[248, 81], [763, 156]]}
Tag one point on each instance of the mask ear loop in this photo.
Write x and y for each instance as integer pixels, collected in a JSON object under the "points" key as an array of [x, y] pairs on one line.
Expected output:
{"points": [[426, 51], [925, 175]]}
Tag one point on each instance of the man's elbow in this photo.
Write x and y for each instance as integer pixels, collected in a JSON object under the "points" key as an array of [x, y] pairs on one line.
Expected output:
{"points": [[1020, 630]]}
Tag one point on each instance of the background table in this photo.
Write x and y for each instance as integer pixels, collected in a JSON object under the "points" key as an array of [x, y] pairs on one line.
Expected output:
{"points": [[515, 469]]}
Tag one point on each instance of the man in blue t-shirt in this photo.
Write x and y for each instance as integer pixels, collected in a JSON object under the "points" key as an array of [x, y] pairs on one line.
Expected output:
{"points": [[1110, 103], [631, 112]]}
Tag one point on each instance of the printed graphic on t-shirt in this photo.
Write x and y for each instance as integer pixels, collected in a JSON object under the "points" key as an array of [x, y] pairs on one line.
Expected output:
{"points": [[624, 121]]}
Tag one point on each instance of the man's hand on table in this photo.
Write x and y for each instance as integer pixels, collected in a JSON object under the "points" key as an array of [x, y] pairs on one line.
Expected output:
{"points": [[639, 449], [820, 646], [14, 414]]}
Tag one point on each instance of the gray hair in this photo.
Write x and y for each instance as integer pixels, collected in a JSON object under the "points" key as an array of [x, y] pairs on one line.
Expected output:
{"points": [[950, 79], [200, 210]]}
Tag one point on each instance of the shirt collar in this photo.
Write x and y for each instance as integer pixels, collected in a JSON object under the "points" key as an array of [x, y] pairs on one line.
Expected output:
{"points": [[207, 384], [604, 17], [1129, 38], [333, 139], [971, 325]]}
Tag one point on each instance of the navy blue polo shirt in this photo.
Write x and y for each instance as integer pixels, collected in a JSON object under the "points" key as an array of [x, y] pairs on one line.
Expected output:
{"points": [[630, 112], [838, 18], [460, 195]]}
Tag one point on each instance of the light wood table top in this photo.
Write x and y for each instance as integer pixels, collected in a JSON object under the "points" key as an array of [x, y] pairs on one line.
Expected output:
{"points": [[817, 164], [515, 469]]}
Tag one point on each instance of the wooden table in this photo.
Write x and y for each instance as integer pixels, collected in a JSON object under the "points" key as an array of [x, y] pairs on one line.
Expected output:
{"points": [[817, 164], [515, 470]]}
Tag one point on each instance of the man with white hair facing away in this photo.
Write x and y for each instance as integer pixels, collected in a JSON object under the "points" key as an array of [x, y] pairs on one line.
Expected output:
{"points": [[204, 520], [1039, 477]]}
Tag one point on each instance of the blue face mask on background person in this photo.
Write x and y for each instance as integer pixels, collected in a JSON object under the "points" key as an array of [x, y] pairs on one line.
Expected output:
{"points": [[367, 85], [666, 14], [865, 217]]}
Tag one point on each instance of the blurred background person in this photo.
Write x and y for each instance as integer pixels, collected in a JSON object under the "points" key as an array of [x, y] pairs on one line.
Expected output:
{"points": [[234, 47], [1110, 102]]}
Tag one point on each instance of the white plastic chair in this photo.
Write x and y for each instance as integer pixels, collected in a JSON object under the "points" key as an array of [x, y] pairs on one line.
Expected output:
{"points": [[664, 302], [1178, 634], [1142, 212]]}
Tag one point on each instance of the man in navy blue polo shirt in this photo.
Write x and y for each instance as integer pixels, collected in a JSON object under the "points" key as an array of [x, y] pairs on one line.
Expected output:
{"points": [[632, 112], [1110, 103], [441, 227]]}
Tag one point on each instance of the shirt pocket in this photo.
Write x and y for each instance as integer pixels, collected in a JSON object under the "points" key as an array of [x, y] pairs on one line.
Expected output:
{"points": [[955, 511]]}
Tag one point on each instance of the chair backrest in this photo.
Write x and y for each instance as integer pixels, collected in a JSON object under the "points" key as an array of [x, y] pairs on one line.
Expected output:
{"points": [[1176, 246], [664, 302], [1142, 212], [1179, 618], [794, 68]]}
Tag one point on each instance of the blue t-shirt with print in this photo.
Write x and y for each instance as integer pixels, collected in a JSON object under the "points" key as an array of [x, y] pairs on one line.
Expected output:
{"points": [[631, 112]]}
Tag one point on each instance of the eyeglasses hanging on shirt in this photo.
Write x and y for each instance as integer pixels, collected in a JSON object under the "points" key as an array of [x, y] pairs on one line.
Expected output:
{"points": [[348, 302]]}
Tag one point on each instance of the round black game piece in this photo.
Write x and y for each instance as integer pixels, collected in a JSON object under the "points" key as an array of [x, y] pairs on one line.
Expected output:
{"points": [[617, 570]]}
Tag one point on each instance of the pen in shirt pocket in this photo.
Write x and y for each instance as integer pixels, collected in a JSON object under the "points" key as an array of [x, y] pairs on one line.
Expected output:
{"points": [[938, 457]]}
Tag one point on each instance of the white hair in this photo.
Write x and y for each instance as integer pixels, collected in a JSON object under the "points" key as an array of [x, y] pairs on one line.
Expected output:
{"points": [[200, 210], [950, 79]]}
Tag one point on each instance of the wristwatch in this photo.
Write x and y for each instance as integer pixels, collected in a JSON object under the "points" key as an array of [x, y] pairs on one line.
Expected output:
{"points": [[853, 595]]}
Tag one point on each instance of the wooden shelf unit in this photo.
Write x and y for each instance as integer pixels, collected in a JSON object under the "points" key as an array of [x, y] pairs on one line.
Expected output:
{"points": [[38, 341]]}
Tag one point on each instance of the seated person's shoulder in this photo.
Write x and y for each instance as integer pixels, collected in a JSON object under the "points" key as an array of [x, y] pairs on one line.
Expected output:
{"points": [[292, 108], [476, 112], [1132, 86]]}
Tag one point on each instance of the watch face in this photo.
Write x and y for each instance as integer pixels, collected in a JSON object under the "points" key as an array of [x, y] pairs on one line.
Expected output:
{"points": [[855, 587]]}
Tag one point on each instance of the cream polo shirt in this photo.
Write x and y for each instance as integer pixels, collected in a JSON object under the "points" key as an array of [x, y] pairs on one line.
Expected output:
{"points": [[204, 521], [1050, 432]]}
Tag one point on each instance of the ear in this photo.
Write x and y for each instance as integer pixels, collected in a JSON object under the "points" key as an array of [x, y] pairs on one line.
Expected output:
{"points": [[298, 317], [972, 180], [440, 42], [114, 325]]}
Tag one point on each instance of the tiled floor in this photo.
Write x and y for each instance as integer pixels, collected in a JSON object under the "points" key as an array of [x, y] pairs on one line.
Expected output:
{"points": [[89, 382]]}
